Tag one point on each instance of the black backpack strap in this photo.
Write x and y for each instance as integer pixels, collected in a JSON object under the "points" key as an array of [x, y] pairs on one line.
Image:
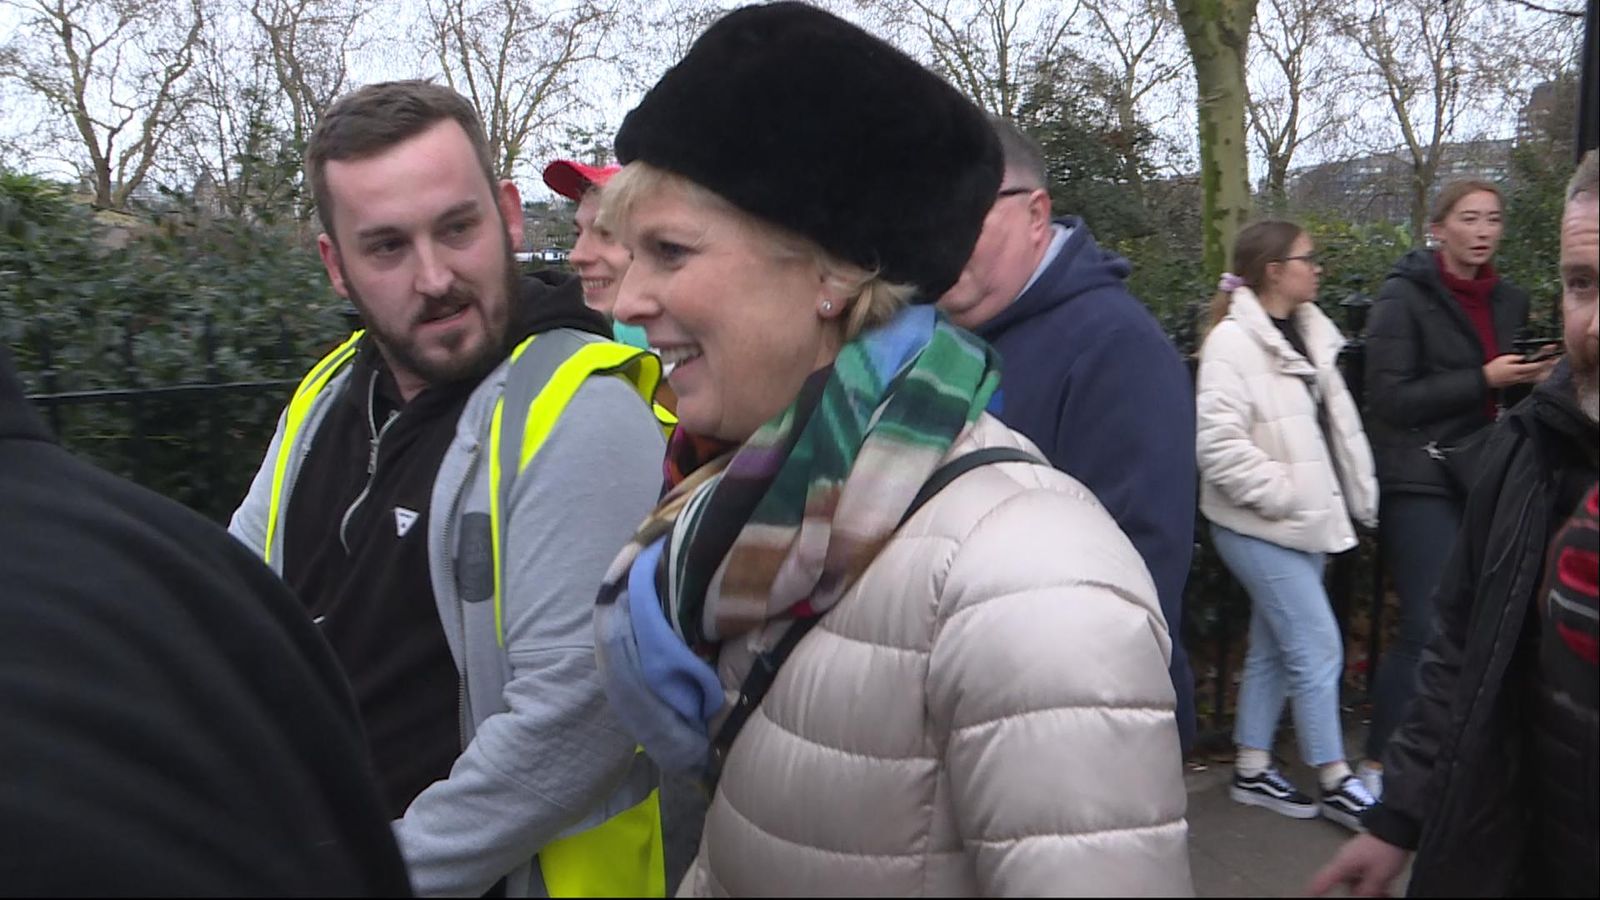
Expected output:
{"points": [[961, 465], [765, 669], [751, 693]]}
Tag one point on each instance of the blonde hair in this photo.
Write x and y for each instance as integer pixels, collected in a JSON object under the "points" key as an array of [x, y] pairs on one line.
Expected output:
{"points": [[870, 299]]}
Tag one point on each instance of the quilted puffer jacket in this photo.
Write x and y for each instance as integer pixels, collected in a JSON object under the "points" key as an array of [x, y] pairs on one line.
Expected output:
{"points": [[987, 712], [1272, 464]]}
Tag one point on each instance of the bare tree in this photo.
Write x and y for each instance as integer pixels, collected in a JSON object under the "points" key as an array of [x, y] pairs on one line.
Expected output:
{"points": [[521, 63], [987, 48], [1218, 34], [1575, 13], [238, 140], [1413, 53], [1143, 38], [1292, 69], [655, 34], [1445, 71], [216, 142], [115, 71], [306, 44]]}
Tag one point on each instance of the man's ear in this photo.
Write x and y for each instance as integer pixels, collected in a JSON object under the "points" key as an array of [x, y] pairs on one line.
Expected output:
{"points": [[1039, 218], [510, 202], [329, 251]]}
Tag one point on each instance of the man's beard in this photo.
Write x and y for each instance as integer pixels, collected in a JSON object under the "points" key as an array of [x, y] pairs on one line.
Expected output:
{"points": [[399, 350], [1586, 385]]}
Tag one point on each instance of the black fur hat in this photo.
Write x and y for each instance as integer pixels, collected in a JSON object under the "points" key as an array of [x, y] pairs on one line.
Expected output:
{"points": [[806, 121]]}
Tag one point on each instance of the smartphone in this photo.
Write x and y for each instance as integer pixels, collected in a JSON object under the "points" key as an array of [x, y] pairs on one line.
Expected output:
{"points": [[1544, 354]]}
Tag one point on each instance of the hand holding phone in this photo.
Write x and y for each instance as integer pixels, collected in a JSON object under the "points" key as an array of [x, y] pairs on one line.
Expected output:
{"points": [[1548, 351]]}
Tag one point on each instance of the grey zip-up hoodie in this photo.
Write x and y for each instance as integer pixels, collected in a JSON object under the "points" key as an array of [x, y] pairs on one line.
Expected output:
{"points": [[543, 757]]}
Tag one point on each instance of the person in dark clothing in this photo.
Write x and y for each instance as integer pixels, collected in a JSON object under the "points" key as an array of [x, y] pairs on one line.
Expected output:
{"points": [[1088, 376], [1491, 778], [1439, 367], [172, 723]]}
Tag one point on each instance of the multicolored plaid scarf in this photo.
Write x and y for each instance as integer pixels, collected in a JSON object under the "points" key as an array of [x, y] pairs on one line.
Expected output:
{"points": [[780, 527]]}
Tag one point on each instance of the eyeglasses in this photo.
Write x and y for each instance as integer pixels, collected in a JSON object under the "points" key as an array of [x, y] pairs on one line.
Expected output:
{"points": [[1013, 192], [1312, 258]]}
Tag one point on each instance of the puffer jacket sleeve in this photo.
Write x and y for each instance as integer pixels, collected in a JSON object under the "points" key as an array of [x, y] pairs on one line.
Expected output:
{"points": [[1400, 389], [1049, 678], [1225, 452]]}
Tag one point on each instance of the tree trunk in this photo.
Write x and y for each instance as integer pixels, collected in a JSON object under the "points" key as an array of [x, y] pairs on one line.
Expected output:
{"points": [[1218, 33], [1422, 177], [1278, 183], [1128, 123]]}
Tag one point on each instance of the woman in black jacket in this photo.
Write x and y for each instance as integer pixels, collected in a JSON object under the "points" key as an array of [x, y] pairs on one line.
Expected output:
{"points": [[1439, 355]]}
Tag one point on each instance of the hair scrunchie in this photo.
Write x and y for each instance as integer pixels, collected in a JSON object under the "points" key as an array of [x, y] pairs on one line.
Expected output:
{"points": [[1230, 283]]}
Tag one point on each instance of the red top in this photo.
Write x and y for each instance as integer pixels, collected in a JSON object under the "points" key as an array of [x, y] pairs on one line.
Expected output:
{"points": [[1473, 295], [1572, 584]]}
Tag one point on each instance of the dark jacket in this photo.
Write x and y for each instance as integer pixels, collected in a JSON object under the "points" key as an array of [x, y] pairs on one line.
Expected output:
{"points": [[1456, 774], [366, 580], [1090, 377], [172, 722], [1424, 378]]}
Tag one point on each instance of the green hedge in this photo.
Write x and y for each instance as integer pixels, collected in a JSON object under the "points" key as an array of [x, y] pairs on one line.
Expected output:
{"points": [[92, 302]]}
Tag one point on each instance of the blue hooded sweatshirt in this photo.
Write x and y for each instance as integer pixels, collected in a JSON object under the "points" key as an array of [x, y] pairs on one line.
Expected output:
{"points": [[1091, 378]]}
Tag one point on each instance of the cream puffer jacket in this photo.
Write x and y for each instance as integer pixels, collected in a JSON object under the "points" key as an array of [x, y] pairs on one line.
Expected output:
{"points": [[987, 712], [1265, 469]]}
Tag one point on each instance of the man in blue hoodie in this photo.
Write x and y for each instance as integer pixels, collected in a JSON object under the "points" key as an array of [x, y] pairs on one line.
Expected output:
{"points": [[1089, 376]]}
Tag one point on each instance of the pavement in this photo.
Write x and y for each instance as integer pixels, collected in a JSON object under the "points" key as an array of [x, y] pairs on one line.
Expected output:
{"points": [[1246, 851]]}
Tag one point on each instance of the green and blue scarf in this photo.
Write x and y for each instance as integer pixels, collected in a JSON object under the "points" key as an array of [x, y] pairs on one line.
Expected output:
{"points": [[779, 528]]}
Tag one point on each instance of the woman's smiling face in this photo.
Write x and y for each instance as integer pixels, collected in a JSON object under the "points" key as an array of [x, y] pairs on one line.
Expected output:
{"points": [[598, 257], [740, 322]]}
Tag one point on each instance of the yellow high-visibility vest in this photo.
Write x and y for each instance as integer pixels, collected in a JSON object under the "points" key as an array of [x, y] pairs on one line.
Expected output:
{"points": [[623, 855]]}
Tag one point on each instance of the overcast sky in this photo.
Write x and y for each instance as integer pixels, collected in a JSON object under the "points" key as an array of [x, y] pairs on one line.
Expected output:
{"points": [[609, 92]]}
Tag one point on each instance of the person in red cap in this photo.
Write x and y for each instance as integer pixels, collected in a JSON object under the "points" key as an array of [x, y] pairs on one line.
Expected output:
{"points": [[598, 257]]}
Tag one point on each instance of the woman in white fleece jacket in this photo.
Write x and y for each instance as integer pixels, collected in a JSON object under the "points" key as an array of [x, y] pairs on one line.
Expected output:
{"points": [[1284, 467]]}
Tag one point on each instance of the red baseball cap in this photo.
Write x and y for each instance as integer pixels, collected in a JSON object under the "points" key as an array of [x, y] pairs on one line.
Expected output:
{"points": [[570, 179]]}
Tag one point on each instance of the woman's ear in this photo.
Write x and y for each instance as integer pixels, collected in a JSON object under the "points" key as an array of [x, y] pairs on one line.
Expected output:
{"points": [[833, 295], [1269, 276]]}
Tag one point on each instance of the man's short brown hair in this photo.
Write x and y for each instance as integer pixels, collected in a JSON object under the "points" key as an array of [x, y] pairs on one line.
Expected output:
{"points": [[370, 120]]}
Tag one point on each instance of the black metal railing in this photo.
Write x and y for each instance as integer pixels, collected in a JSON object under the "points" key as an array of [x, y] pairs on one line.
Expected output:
{"points": [[197, 441], [212, 435]]}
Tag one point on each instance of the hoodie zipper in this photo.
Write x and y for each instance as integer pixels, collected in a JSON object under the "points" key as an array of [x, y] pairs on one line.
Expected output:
{"points": [[375, 439]]}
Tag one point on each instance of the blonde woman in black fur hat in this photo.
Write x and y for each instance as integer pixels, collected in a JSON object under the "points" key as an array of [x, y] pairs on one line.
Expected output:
{"points": [[904, 655]]}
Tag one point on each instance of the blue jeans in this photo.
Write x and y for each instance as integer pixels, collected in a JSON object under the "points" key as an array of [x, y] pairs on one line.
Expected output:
{"points": [[1417, 532], [1295, 652]]}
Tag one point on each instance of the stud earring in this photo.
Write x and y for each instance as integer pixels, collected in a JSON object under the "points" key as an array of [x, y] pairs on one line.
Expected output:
{"points": [[827, 307]]}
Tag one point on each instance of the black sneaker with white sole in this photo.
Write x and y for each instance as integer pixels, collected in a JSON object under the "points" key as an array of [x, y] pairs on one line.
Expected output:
{"points": [[1270, 790], [1345, 803]]}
